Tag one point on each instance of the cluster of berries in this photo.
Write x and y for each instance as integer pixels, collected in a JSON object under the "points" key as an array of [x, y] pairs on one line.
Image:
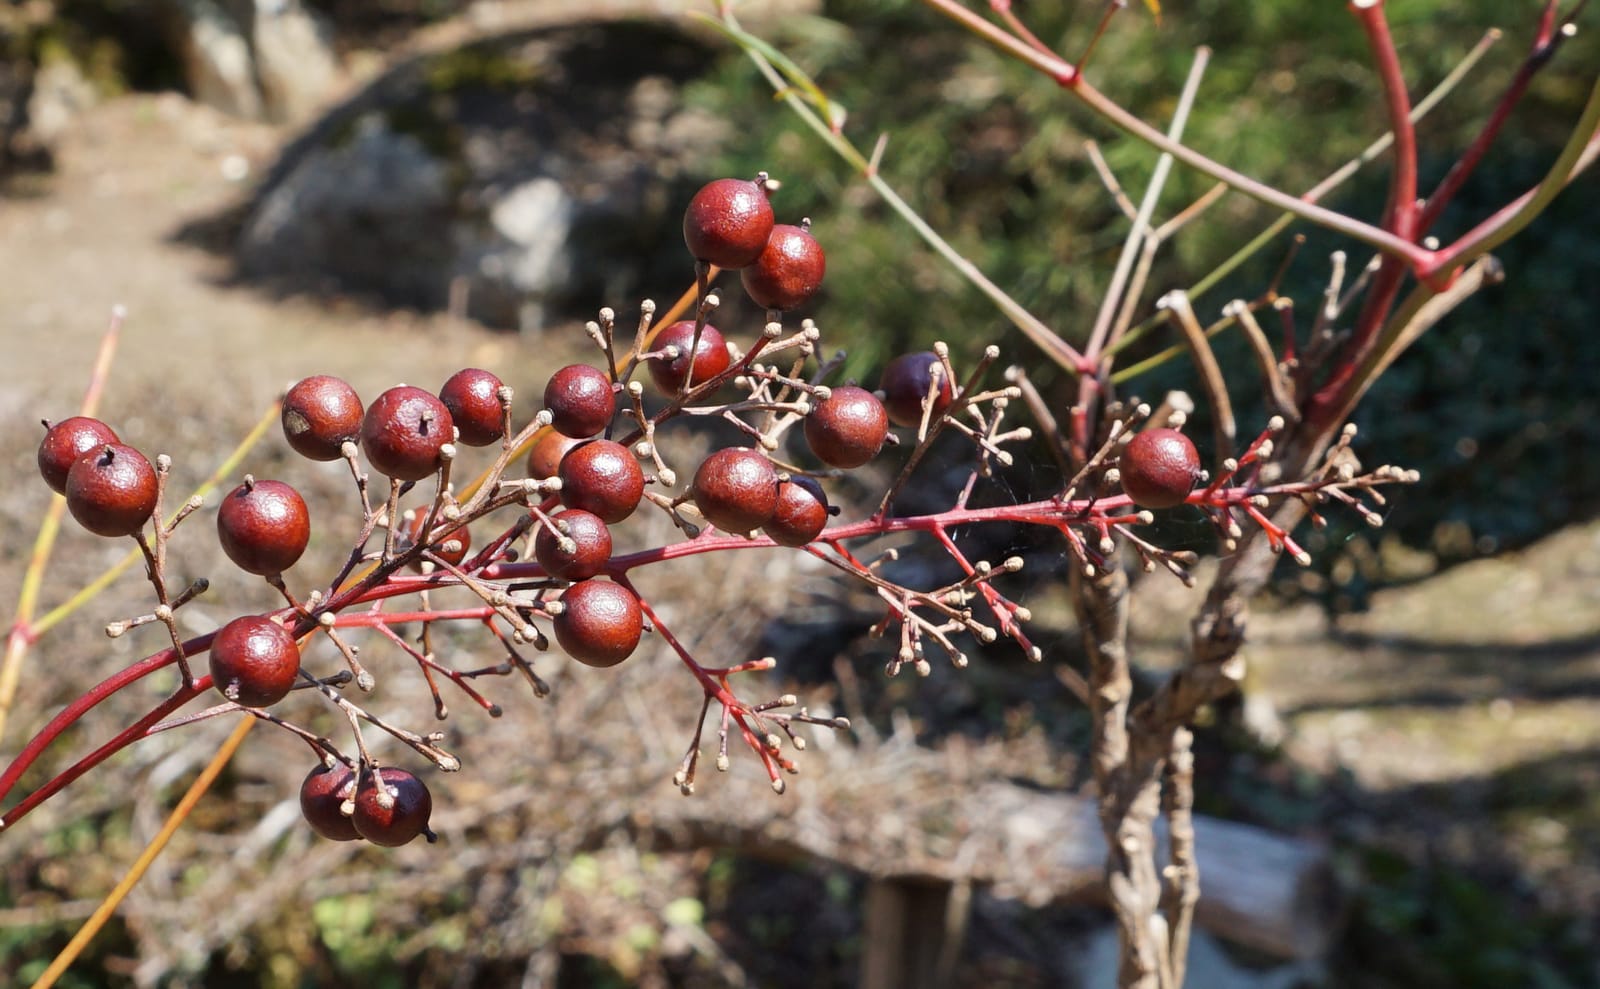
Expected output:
{"points": [[593, 458]]}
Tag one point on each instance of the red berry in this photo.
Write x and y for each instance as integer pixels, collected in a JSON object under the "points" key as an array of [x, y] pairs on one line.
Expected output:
{"points": [[728, 222], [581, 400], [906, 382], [547, 452], [65, 442], [263, 526], [111, 490], [589, 548], [789, 270], [602, 477], [847, 428], [321, 414], [600, 624], [405, 817], [403, 431], [254, 661], [473, 397], [736, 489], [322, 793], [1159, 468], [710, 357], [451, 548], [801, 514]]}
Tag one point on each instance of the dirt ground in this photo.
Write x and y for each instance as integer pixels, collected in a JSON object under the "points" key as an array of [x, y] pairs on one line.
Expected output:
{"points": [[1462, 712]]}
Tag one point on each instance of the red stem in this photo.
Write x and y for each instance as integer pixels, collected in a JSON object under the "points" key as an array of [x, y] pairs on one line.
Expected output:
{"points": [[1545, 42]]}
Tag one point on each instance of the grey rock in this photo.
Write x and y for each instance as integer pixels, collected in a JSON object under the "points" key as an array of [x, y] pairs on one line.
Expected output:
{"points": [[364, 216]]}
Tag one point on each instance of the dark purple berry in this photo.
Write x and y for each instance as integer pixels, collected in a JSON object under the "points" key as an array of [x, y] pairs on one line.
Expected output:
{"points": [[728, 222], [906, 382], [112, 490], [322, 793], [600, 623], [1159, 468], [736, 489], [547, 452], [847, 428], [602, 477], [254, 661], [403, 431], [587, 551], [263, 526], [407, 814], [452, 548], [65, 442], [473, 397], [581, 400], [801, 513], [320, 415], [789, 270], [710, 357]]}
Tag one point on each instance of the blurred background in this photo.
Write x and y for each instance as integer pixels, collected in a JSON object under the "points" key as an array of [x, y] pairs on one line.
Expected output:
{"points": [[390, 190]]}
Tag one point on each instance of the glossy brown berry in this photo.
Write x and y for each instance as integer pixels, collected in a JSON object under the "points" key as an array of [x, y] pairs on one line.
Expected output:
{"points": [[736, 489], [847, 428], [801, 513], [263, 526], [406, 816], [451, 548], [254, 661], [600, 623], [1159, 468], [789, 270], [602, 477], [587, 550], [65, 442], [402, 432], [906, 382], [473, 397], [322, 793], [710, 356], [321, 414], [581, 400], [112, 490], [728, 222], [547, 452]]}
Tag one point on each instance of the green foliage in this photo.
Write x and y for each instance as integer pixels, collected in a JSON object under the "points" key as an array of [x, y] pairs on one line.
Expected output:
{"points": [[992, 154]]}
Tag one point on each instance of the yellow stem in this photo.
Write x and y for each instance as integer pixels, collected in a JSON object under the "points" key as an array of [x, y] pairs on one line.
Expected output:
{"points": [[179, 814]]}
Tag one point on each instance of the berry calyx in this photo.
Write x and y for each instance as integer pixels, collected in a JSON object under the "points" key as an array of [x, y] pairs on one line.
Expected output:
{"points": [[451, 548], [581, 400], [600, 623], [321, 414], [736, 489], [801, 513], [547, 452], [254, 661], [710, 357], [322, 793], [406, 816], [728, 222], [789, 270], [403, 431], [847, 428], [601, 477], [473, 397], [263, 526], [580, 551], [906, 382], [66, 441], [112, 490], [1159, 468]]}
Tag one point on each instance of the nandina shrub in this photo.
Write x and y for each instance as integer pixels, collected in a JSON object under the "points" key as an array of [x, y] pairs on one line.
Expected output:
{"points": [[776, 386]]}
